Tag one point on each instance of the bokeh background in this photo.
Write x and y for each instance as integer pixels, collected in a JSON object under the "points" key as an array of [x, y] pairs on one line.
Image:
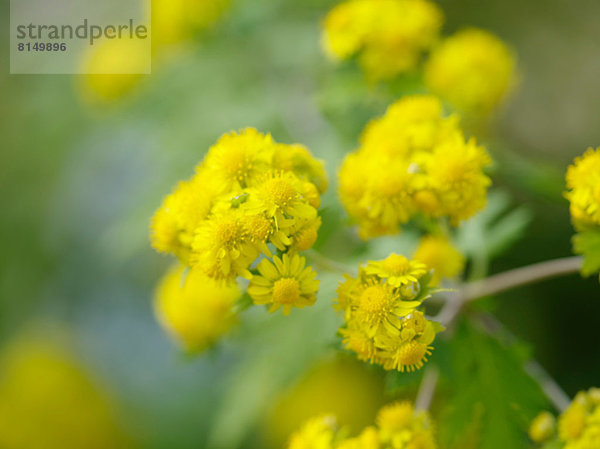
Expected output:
{"points": [[79, 180]]}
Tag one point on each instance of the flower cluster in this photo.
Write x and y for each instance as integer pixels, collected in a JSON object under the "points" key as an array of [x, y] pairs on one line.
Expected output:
{"points": [[195, 309], [473, 70], [583, 184], [413, 161], [398, 426], [440, 256], [382, 323], [250, 198], [387, 36], [578, 426]]}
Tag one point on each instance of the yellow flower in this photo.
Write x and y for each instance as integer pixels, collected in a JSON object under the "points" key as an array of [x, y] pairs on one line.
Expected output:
{"points": [[473, 70], [382, 323], [542, 428], [583, 183], [408, 352], [402, 427], [195, 309], [237, 160], [387, 36], [298, 159], [440, 255], [249, 196], [49, 400], [317, 433], [398, 427], [368, 439], [455, 177], [397, 270], [177, 21], [413, 161], [222, 247], [113, 68], [280, 195], [572, 422], [174, 223], [393, 418], [285, 283]]}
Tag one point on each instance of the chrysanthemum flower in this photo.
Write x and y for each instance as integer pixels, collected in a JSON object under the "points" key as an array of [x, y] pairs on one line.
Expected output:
{"points": [[174, 223], [583, 182], [249, 197], [222, 247], [316, 433], [473, 69], [368, 439], [177, 21], [413, 161], [397, 270], [237, 160], [398, 426], [280, 195], [195, 309], [578, 425], [543, 427], [382, 323], [284, 283], [440, 255], [387, 36]]}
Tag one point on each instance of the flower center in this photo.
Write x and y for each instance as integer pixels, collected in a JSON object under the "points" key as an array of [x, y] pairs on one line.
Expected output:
{"points": [[279, 191], [286, 291], [396, 264], [374, 301], [228, 232], [235, 163], [411, 353], [260, 228]]}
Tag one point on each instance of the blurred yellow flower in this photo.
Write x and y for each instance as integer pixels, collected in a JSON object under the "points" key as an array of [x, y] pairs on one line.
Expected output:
{"points": [[440, 255], [387, 36], [284, 283], [48, 401], [399, 426], [542, 428], [413, 161], [340, 386], [113, 68], [195, 309], [473, 70], [578, 425], [317, 433], [583, 183]]}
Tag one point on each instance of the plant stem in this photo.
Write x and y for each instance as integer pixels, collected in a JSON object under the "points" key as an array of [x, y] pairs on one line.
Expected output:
{"points": [[505, 281], [520, 276], [427, 388]]}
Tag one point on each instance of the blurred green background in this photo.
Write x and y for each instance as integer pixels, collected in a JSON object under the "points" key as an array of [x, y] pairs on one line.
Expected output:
{"points": [[80, 181]]}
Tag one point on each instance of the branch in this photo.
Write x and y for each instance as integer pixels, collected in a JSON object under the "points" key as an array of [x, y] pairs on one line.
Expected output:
{"points": [[505, 281], [520, 276], [427, 388]]}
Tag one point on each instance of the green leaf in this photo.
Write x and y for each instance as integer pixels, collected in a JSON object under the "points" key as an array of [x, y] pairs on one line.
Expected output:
{"points": [[493, 398], [588, 244]]}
